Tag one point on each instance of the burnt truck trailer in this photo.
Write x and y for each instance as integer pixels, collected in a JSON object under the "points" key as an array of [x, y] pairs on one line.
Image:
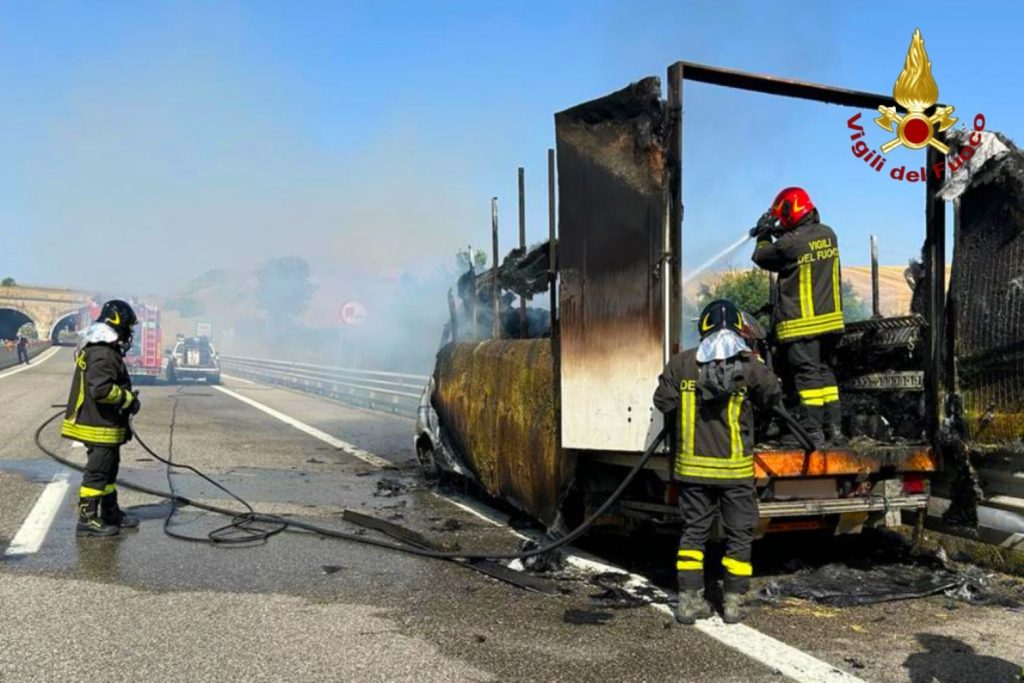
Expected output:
{"points": [[552, 424]]}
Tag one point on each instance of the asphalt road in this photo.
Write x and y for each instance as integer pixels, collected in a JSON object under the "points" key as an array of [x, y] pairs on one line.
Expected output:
{"points": [[301, 608]]}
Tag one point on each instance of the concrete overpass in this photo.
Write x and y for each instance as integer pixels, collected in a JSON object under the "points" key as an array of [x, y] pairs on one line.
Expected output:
{"points": [[49, 309]]}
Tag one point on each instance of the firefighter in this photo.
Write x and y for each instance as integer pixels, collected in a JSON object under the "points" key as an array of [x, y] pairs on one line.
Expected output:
{"points": [[808, 314], [99, 405], [710, 394]]}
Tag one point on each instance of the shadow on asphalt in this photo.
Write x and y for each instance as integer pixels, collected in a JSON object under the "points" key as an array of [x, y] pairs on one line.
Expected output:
{"points": [[948, 660]]}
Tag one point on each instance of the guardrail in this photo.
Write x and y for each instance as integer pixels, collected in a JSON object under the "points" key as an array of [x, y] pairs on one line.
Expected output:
{"points": [[9, 353], [392, 392]]}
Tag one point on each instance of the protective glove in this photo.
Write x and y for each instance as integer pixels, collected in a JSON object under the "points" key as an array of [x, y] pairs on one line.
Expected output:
{"points": [[765, 225], [135, 405]]}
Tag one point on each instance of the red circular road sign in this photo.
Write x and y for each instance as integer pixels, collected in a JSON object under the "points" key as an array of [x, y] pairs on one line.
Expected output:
{"points": [[353, 313]]}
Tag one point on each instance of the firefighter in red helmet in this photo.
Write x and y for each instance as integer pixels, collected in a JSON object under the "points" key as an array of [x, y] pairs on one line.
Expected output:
{"points": [[808, 315]]}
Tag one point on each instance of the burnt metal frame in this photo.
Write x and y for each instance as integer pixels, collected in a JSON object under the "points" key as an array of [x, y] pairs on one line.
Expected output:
{"points": [[933, 252]]}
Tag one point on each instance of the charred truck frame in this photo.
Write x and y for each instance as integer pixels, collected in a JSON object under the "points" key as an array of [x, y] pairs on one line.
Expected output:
{"points": [[551, 424]]}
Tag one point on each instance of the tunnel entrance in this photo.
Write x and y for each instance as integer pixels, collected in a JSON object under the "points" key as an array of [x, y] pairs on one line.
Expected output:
{"points": [[11, 321], [64, 330]]}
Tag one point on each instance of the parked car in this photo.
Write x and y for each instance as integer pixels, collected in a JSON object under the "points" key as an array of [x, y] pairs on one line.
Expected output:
{"points": [[193, 358]]}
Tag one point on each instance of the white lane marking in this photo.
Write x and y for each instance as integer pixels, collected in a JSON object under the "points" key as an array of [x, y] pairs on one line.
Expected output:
{"points": [[237, 379], [35, 527], [352, 450], [474, 508], [38, 360], [788, 660]]}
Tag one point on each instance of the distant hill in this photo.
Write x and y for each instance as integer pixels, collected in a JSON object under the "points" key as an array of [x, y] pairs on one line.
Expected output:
{"points": [[894, 292]]}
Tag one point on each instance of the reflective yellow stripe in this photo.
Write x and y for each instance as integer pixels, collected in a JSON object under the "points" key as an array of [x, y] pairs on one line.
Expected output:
{"points": [[80, 399], [692, 554], [103, 435], [836, 292], [689, 566], [816, 321], [714, 463], [789, 329], [86, 492], [813, 321], [687, 421], [128, 398], [812, 397], [830, 394], [806, 291], [739, 471], [114, 396], [737, 567], [109, 488], [735, 435]]}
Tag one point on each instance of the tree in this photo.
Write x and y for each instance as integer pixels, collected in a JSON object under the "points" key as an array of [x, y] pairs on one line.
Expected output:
{"points": [[8, 282], [854, 308], [283, 286], [28, 330], [748, 289]]}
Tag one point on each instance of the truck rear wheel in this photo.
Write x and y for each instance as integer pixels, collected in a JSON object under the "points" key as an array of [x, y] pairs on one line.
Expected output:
{"points": [[213, 379]]}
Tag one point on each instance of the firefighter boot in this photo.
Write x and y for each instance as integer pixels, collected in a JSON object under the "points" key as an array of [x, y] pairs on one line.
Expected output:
{"points": [[731, 602], [114, 515], [89, 521], [833, 426], [810, 418], [692, 606]]}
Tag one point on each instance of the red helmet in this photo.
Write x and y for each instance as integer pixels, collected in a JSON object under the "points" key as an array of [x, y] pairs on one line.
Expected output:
{"points": [[790, 205]]}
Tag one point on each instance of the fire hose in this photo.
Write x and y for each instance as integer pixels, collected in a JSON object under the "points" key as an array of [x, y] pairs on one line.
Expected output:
{"points": [[246, 522]]}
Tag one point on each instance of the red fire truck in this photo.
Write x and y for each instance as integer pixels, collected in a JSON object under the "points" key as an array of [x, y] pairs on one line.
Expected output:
{"points": [[144, 359]]}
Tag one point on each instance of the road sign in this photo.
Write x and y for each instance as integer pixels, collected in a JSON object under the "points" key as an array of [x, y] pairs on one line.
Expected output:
{"points": [[353, 313]]}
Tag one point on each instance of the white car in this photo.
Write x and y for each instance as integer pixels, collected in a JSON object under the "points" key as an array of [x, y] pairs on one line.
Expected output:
{"points": [[193, 358]]}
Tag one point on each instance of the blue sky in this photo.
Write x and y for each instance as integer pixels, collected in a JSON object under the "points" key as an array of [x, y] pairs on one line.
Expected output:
{"points": [[370, 136]]}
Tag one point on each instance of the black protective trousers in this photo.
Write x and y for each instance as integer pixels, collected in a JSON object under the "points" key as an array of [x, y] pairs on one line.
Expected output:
{"points": [[808, 375], [100, 470], [698, 504]]}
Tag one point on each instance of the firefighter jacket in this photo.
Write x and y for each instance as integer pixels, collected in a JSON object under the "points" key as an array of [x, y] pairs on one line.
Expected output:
{"points": [[715, 440], [807, 261], [101, 393]]}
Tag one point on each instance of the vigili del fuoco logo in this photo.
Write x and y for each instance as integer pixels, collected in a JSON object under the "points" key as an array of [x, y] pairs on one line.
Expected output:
{"points": [[915, 91]]}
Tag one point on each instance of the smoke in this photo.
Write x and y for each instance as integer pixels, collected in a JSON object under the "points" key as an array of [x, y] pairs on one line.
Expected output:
{"points": [[190, 159]]}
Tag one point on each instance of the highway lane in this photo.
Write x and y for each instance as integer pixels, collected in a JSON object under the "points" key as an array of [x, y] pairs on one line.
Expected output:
{"points": [[308, 609], [298, 608]]}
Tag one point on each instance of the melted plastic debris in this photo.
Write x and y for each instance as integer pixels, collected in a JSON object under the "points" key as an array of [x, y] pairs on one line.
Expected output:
{"points": [[838, 585], [386, 488], [547, 562]]}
